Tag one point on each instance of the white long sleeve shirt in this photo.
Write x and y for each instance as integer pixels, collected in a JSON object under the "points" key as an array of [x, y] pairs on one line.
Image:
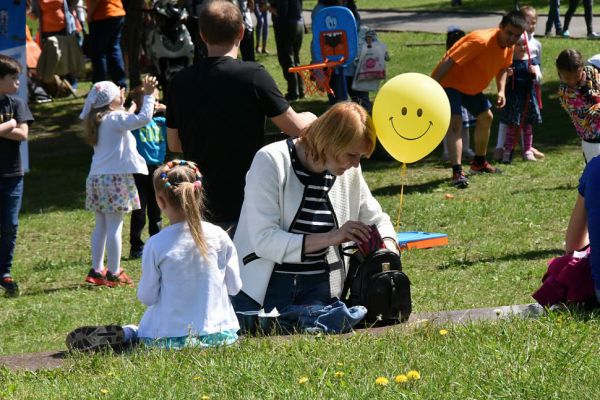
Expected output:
{"points": [[116, 152], [188, 294]]}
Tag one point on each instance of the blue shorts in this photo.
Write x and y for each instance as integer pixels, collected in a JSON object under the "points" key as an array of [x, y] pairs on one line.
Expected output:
{"points": [[475, 104]]}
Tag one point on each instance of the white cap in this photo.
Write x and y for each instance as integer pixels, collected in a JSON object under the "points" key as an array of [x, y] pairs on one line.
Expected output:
{"points": [[102, 94]]}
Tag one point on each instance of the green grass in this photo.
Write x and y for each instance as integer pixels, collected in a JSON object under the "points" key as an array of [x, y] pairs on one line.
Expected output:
{"points": [[502, 231]]}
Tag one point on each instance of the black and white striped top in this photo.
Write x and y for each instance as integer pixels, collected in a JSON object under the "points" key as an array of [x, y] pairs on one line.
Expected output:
{"points": [[315, 215]]}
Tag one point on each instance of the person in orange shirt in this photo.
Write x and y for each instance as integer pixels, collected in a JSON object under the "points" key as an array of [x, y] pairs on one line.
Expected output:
{"points": [[464, 72], [105, 20]]}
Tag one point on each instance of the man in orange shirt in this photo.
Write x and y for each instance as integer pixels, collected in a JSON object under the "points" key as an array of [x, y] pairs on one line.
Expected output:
{"points": [[105, 20], [465, 72]]}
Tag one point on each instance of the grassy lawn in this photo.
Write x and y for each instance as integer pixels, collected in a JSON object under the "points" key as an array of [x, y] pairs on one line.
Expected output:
{"points": [[502, 231]]}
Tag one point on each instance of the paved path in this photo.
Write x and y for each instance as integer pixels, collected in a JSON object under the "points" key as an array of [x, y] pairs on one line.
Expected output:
{"points": [[54, 359], [438, 22]]}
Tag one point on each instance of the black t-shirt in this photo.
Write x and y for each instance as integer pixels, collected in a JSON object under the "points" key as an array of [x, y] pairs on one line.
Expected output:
{"points": [[219, 108], [10, 157]]}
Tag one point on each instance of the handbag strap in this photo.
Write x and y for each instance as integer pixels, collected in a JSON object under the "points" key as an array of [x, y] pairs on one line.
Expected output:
{"points": [[351, 269]]}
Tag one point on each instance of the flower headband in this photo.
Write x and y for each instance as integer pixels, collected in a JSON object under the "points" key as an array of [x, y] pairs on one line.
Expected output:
{"points": [[168, 166]]}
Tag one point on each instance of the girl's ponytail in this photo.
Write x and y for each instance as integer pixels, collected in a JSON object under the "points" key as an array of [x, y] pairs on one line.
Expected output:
{"points": [[180, 183], [91, 124]]}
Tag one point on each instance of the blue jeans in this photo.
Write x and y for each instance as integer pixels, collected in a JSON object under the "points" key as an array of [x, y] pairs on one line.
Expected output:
{"points": [[11, 194], [286, 290], [553, 17], [262, 26], [107, 58]]}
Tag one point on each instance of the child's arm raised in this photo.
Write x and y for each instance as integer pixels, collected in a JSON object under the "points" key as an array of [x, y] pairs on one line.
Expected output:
{"points": [[130, 121], [14, 130]]}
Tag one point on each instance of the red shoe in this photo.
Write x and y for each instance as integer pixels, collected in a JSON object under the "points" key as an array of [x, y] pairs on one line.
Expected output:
{"points": [[121, 279], [96, 278], [485, 168], [460, 180]]}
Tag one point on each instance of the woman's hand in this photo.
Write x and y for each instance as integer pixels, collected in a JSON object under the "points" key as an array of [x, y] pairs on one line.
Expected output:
{"points": [[150, 83], [351, 231]]}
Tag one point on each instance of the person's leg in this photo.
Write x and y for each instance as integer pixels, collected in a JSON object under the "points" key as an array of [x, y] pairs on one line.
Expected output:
{"points": [[298, 35], [509, 143], [11, 195], [482, 132], [114, 226], [247, 46], [259, 25], [499, 150], [313, 289], [98, 39], [116, 66], [153, 210], [569, 14], [265, 32], [553, 17], [454, 138], [99, 242], [527, 138], [138, 217], [588, 15]]}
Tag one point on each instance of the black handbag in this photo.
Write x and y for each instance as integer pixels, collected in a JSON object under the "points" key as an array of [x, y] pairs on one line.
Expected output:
{"points": [[376, 281]]}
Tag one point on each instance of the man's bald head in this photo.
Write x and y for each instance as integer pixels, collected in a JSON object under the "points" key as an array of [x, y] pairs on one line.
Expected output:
{"points": [[221, 22]]}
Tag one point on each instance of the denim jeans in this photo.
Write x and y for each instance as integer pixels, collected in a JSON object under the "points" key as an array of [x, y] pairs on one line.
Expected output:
{"points": [[295, 289], [106, 55], [11, 194], [553, 17]]}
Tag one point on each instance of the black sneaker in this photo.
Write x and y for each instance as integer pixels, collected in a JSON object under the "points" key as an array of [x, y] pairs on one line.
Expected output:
{"points": [[136, 253], [11, 287], [460, 180], [91, 338]]}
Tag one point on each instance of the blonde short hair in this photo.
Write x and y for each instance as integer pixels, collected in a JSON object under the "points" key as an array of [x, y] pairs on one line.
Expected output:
{"points": [[338, 128]]}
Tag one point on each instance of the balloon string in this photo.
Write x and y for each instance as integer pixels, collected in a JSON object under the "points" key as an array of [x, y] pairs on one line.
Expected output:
{"points": [[402, 179]]}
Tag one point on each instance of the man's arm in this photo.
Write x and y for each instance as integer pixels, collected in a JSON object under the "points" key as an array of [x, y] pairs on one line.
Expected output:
{"points": [[501, 85], [440, 72], [292, 123], [173, 140], [14, 130]]}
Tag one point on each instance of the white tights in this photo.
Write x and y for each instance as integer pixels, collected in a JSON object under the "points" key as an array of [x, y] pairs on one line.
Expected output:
{"points": [[107, 233]]}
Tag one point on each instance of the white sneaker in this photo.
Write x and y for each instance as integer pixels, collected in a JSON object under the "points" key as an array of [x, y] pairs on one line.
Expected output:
{"points": [[528, 156]]}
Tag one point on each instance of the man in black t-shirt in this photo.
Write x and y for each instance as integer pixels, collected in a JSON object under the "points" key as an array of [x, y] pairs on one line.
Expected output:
{"points": [[217, 109]]}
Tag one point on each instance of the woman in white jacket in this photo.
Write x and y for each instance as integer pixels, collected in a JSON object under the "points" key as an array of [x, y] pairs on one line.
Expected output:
{"points": [[304, 197]]}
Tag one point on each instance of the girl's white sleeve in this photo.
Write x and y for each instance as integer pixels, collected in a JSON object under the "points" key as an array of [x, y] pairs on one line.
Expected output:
{"points": [[128, 121], [149, 286], [233, 281]]}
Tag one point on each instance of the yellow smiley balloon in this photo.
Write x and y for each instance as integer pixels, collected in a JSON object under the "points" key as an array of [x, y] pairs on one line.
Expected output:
{"points": [[411, 114]]}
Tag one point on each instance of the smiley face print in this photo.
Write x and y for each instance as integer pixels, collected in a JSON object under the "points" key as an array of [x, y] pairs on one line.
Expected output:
{"points": [[411, 114], [405, 112]]}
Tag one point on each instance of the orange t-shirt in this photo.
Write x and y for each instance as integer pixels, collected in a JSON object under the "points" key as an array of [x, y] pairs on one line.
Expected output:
{"points": [[478, 59], [53, 15], [107, 9]]}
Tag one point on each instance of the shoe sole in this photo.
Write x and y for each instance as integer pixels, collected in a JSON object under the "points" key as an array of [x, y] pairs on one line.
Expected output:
{"points": [[95, 281], [89, 338]]}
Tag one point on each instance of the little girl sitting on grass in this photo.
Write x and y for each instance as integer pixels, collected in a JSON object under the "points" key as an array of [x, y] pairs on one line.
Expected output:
{"points": [[579, 95], [189, 269]]}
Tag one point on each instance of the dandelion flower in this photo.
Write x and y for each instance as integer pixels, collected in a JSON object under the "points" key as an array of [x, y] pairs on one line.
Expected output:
{"points": [[104, 391], [443, 332], [339, 364], [303, 380], [414, 375], [339, 374], [205, 397], [197, 378], [382, 381], [401, 378]]}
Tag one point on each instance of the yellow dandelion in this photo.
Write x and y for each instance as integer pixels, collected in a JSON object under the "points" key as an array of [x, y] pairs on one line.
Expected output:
{"points": [[205, 397], [443, 332], [339, 374], [104, 391], [382, 381], [197, 378], [401, 378], [303, 380], [414, 375], [339, 364]]}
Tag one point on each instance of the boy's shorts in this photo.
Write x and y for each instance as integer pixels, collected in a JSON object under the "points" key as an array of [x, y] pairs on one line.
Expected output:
{"points": [[475, 104]]}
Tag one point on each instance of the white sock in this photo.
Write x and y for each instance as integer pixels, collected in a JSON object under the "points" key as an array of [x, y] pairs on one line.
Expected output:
{"points": [[114, 226], [98, 242]]}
